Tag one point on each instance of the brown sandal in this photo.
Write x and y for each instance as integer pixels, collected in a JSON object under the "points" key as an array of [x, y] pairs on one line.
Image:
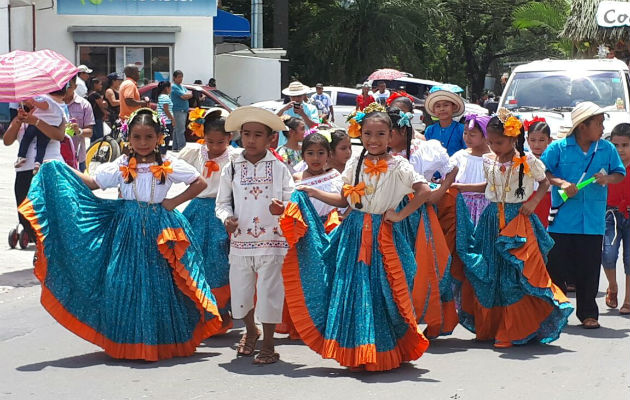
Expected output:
{"points": [[611, 299], [266, 357], [247, 346], [625, 309], [590, 323]]}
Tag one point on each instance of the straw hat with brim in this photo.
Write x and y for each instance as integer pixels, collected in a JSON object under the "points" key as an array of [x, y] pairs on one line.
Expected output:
{"points": [[243, 115], [216, 112], [583, 111], [295, 89], [439, 95]]}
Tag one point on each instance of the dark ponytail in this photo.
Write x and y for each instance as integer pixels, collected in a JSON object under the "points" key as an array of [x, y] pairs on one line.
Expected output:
{"points": [[520, 147], [357, 174], [394, 115]]}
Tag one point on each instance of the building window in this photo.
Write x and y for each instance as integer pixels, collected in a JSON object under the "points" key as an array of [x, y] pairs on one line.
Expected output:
{"points": [[153, 62]]}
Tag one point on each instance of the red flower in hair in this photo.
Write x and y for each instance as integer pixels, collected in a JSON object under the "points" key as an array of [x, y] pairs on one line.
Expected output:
{"points": [[531, 122], [396, 95]]}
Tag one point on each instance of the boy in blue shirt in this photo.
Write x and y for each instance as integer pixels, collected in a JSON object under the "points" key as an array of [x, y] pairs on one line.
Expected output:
{"points": [[579, 223], [444, 105]]}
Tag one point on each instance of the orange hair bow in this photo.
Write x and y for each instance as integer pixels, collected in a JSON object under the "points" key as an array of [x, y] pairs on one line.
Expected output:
{"points": [[355, 192], [512, 127], [161, 171], [375, 169], [211, 166], [129, 169], [518, 161]]}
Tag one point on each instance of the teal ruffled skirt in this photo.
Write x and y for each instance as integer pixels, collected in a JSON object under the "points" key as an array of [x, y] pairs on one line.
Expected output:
{"points": [[215, 246], [349, 293], [508, 296], [124, 275]]}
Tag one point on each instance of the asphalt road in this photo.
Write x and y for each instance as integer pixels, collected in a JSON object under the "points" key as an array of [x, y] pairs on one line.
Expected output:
{"points": [[41, 360]]}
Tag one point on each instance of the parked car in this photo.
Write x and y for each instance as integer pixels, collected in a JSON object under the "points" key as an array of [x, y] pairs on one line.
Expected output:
{"points": [[344, 102], [551, 88], [203, 97]]}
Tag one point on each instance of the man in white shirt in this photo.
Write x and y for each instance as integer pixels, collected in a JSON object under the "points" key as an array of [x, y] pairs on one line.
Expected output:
{"points": [[381, 94], [82, 78], [323, 102]]}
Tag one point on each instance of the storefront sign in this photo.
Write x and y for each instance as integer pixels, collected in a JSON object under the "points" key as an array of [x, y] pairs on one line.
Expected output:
{"points": [[613, 13], [201, 8]]}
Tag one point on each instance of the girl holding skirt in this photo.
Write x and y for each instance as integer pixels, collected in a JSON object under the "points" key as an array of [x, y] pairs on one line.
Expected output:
{"points": [[126, 275]]}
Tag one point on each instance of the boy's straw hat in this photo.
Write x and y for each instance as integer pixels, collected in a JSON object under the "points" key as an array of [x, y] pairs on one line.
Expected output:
{"points": [[296, 88], [243, 115], [438, 94], [216, 112], [583, 111]]}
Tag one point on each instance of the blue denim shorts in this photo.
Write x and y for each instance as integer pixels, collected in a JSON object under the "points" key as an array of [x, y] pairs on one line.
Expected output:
{"points": [[617, 233]]}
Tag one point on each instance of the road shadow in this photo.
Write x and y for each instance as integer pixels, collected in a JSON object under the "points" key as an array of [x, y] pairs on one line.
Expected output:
{"points": [[100, 358], [531, 351], [407, 372], [602, 332], [22, 278], [455, 345]]}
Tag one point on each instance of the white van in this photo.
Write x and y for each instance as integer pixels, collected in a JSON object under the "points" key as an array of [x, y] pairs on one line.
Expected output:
{"points": [[551, 88]]}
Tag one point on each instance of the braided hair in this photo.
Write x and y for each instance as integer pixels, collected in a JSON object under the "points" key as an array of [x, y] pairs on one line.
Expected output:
{"points": [[146, 117], [395, 116], [293, 124], [496, 126], [378, 116], [540, 126]]}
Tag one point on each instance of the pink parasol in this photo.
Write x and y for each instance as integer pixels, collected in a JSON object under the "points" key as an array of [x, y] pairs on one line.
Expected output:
{"points": [[387, 74], [25, 74]]}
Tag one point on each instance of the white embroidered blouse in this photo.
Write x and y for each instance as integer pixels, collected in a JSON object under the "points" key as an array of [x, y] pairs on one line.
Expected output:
{"points": [[210, 168], [251, 189], [502, 179], [110, 175], [330, 182], [385, 190]]}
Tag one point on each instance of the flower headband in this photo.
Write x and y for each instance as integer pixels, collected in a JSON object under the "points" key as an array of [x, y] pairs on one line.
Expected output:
{"points": [[355, 119], [511, 124], [197, 119], [124, 127], [528, 123]]}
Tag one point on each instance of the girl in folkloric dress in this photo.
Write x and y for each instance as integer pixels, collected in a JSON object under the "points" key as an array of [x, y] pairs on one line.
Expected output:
{"points": [[209, 159], [123, 274], [349, 292], [506, 293]]}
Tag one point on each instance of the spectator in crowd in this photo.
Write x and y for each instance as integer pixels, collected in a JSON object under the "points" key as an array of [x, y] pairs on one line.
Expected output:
{"points": [[365, 98], [81, 120], [164, 109], [129, 94], [381, 94], [82, 79], [112, 97], [212, 82], [323, 102], [297, 107], [180, 96], [491, 104], [99, 107]]}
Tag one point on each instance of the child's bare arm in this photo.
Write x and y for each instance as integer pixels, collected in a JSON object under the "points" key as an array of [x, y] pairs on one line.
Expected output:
{"points": [[470, 187], [190, 193], [333, 199], [88, 180], [529, 206], [422, 191]]}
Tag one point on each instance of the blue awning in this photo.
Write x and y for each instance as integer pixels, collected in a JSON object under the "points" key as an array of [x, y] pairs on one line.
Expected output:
{"points": [[230, 25]]}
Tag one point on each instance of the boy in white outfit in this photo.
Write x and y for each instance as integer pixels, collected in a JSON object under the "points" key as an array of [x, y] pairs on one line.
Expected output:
{"points": [[251, 196]]}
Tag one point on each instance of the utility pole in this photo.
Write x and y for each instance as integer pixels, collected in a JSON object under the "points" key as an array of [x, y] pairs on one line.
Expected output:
{"points": [[257, 24]]}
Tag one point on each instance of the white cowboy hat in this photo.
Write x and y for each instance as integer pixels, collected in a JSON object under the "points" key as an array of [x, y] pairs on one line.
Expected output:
{"points": [[583, 111], [439, 95], [243, 115], [296, 88]]}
